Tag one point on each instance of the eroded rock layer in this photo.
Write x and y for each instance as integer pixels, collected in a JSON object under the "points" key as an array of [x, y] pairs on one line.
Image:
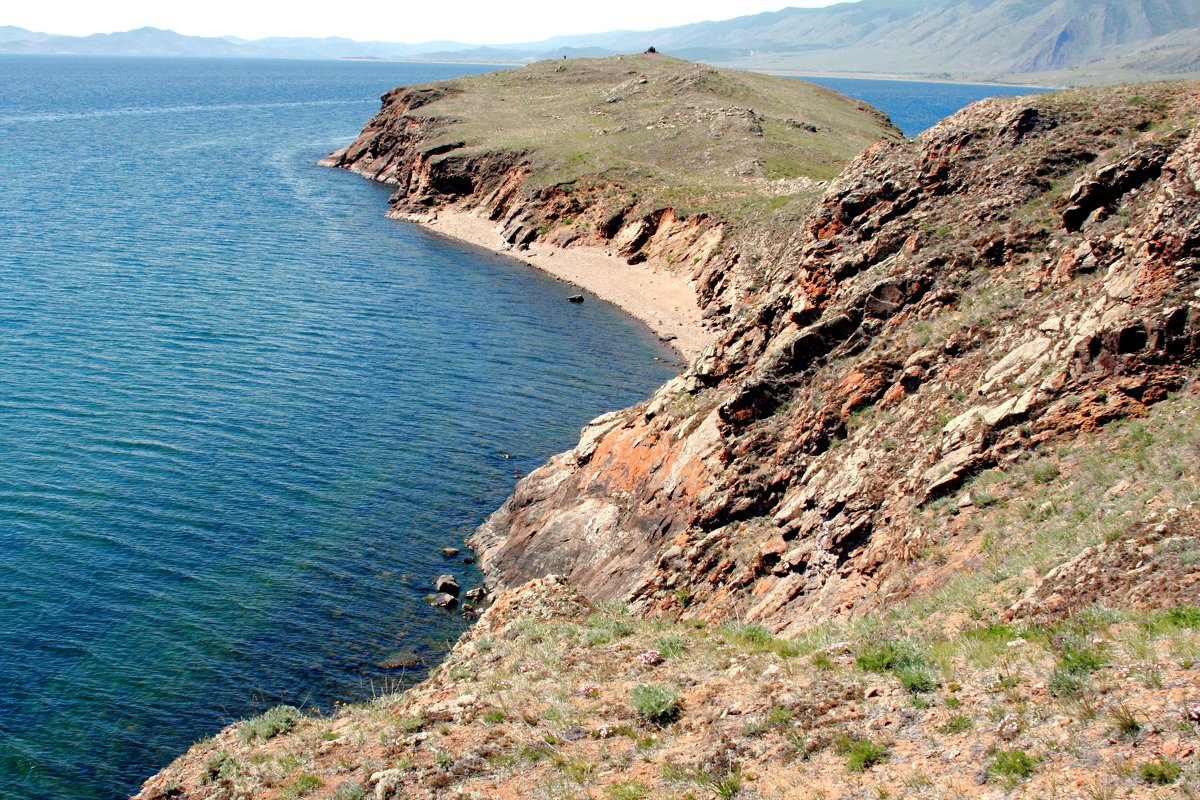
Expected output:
{"points": [[1024, 271]]}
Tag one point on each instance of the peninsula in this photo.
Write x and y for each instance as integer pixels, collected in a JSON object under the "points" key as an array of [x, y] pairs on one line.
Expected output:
{"points": [[624, 175]]}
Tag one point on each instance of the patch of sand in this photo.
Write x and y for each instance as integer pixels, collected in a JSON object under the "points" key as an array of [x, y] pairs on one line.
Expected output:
{"points": [[664, 301]]}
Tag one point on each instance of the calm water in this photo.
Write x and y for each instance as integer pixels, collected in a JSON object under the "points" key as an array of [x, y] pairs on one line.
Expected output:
{"points": [[916, 105], [240, 411]]}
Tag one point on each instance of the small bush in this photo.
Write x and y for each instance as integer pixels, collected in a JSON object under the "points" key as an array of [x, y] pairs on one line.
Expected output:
{"points": [[219, 766], [877, 657], [901, 658], [1162, 771], [350, 790], [756, 638], [1124, 720], [494, 717], [861, 753], [958, 723], [823, 661], [1011, 766], [1176, 618], [656, 702], [725, 786], [271, 722], [1043, 471], [1077, 655], [305, 785], [410, 724], [917, 679], [1064, 683]]}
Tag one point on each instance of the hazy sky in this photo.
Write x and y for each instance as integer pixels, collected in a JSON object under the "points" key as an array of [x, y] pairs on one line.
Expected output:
{"points": [[479, 21]]}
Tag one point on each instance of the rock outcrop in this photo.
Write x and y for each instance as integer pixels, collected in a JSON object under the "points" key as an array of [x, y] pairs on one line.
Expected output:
{"points": [[1024, 271]]}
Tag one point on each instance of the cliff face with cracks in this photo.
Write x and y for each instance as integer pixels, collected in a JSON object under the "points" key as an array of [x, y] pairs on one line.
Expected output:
{"points": [[1025, 271], [1022, 272]]}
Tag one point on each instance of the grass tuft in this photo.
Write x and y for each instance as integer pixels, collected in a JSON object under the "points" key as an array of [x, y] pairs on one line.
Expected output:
{"points": [[270, 723], [656, 702]]}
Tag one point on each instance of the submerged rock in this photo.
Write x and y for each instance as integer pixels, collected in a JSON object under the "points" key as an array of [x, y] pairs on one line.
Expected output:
{"points": [[442, 600]]}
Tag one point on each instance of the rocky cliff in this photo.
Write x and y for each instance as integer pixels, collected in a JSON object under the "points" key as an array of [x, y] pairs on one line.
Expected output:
{"points": [[923, 522], [965, 303]]}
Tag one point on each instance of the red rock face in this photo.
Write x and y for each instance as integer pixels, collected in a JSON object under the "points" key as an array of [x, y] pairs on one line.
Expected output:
{"points": [[1024, 271]]}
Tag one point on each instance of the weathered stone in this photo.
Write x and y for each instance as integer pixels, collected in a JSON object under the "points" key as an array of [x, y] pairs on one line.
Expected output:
{"points": [[447, 584]]}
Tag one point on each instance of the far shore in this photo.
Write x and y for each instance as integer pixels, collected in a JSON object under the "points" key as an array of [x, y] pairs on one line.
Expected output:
{"points": [[664, 301], [780, 72]]}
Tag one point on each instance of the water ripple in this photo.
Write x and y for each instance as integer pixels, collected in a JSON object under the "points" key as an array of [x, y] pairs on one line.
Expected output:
{"points": [[240, 411]]}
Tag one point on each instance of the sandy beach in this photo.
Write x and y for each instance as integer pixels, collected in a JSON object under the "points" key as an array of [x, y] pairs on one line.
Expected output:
{"points": [[665, 302]]}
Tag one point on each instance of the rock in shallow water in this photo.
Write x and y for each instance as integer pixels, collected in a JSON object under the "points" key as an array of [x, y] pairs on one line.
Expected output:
{"points": [[442, 600], [447, 584]]}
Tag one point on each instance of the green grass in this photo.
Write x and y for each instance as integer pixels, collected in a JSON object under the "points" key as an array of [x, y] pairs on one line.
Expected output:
{"points": [[1162, 771], [218, 766], [671, 645], [1124, 720], [1042, 525], [272, 722], [1010, 767], [349, 790], [862, 754], [304, 785], [958, 723], [628, 790], [756, 638], [668, 138], [1181, 618], [904, 658]]}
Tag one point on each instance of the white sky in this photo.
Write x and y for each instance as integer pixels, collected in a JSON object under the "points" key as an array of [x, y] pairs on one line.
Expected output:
{"points": [[476, 21]]}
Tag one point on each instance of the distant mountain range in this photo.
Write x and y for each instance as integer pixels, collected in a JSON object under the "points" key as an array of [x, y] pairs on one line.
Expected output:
{"points": [[1069, 41]]}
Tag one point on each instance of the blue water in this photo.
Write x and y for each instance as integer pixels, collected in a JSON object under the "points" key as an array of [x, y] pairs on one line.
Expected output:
{"points": [[915, 106], [241, 411]]}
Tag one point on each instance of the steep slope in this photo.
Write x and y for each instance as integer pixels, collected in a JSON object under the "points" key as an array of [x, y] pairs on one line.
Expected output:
{"points": [[1023, 272]]}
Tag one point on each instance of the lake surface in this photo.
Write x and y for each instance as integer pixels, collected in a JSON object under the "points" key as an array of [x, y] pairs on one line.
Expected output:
{"points": [[240, 411], [915, 106]]}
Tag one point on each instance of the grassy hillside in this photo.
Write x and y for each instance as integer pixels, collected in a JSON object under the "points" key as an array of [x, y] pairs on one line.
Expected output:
{"points": [[671, 132]]}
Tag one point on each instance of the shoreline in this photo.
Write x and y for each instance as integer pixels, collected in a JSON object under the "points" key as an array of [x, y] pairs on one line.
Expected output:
{"points": [[663, 301]]}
